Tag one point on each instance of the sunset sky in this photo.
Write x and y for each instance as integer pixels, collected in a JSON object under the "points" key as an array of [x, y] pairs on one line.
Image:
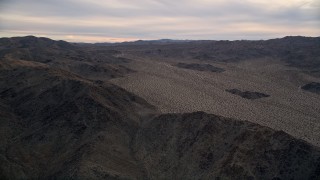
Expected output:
{"points": [[128, 20]]}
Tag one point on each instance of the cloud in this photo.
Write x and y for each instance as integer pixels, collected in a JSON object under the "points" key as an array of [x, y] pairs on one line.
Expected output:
{"points": [[115, 20]]}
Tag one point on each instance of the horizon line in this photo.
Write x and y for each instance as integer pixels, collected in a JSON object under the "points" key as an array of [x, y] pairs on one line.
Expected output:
{"points": [[160, 39]]}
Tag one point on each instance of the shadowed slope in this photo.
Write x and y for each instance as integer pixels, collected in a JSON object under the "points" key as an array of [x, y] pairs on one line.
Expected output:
{"points": [[202, 146], [60, 125]]}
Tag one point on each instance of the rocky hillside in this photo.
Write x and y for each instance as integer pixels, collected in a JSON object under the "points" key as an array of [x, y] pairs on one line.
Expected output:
{"points": [[202, 146], [57, 124], [92, 63]]}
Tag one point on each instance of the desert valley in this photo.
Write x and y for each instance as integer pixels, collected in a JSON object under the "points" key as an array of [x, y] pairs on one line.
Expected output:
{"points": [[161, 109]]}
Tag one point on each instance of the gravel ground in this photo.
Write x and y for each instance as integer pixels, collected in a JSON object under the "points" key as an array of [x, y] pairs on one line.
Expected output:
{"points": [[174, 89]]}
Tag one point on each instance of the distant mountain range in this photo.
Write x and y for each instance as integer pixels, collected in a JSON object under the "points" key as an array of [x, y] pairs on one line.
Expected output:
{"points": [[297, 51], [145, 42]]}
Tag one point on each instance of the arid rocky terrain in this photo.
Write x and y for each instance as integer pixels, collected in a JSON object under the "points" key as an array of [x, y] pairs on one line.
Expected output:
{"points": [[160, 109], [278, 68]]}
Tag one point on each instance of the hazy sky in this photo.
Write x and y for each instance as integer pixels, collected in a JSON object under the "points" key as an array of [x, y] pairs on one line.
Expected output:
{"points": [[126, 20]]}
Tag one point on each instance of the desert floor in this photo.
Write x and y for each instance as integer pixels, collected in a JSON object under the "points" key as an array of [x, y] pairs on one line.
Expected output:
{"points": [[174, 89]]}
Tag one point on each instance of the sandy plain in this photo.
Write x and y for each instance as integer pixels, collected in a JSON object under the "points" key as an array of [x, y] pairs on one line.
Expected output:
{"points": [[174, 89]]}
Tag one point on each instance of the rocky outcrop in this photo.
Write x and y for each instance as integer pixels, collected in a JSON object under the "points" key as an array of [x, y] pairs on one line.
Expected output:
{"points": [[200, 67], [313, 87], [247, 94]]}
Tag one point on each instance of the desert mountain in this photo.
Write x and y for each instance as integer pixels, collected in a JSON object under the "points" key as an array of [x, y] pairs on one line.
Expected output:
{"points": [[61, 121], [296, 51], [91, 63]]}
